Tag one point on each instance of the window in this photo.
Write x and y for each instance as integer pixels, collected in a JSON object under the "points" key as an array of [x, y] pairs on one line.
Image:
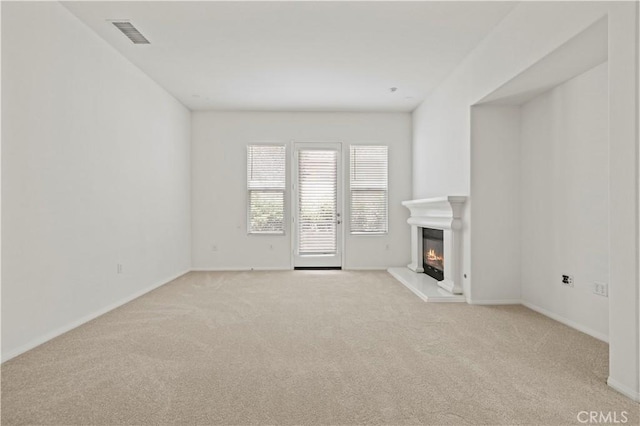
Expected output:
{"points": [[265, 185], [369, 189]]}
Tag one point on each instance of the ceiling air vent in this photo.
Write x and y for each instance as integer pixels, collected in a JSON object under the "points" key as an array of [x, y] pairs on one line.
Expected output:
{"points": [[131, 32]]}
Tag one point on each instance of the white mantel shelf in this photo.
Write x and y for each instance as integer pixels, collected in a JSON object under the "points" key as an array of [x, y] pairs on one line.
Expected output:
{"points": [[444, 213], [447, 199], [439, 212]]}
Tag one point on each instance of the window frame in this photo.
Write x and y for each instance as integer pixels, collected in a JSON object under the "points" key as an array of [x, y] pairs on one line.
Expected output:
{"points": [[386, 190], [266, 189]]}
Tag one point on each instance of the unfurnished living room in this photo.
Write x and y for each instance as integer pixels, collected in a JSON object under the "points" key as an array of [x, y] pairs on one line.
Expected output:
{"points": [[310, 212]]}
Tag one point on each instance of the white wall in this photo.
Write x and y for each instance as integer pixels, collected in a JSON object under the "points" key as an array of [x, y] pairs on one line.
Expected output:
{"points": [[219, 185], [495, 188], [565, 200], [442, 137], [95, 172], [441, 124]]}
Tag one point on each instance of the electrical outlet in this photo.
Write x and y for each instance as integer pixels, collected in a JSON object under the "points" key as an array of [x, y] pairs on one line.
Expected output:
{"points": [[119, 268], [567, 280], [601, 289]]}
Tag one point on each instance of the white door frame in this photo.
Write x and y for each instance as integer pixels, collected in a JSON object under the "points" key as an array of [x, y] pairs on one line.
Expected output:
{"points": [[320, 262]]}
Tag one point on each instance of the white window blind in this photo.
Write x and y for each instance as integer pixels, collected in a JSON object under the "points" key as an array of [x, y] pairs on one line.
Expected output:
{"points": [[369, 189], [317, 198], [266, 171]]}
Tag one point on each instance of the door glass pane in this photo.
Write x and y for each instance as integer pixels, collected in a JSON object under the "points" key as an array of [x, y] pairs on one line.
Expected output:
{"points": [[317, 197]]}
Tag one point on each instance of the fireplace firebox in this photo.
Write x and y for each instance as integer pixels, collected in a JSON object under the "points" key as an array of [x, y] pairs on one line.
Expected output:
{"points": [[433, 253]]}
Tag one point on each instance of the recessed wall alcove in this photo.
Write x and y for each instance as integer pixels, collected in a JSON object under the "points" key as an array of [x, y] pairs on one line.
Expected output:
{"points": [[539, 192], [586, 86], [538, 153]]}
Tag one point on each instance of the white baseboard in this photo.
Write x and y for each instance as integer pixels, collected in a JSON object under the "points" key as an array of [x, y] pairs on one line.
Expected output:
{"points": [[494, 302], [278, 268], [241, 269], [365, 268], [567, 322], [626, 391], [68, 327]]}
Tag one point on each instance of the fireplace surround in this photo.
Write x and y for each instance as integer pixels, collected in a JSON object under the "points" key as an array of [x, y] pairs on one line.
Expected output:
{"points": [[443, 214]]}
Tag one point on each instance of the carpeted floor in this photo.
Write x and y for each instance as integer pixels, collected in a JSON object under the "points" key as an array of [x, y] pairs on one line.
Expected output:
{"points": [[309, 347]]}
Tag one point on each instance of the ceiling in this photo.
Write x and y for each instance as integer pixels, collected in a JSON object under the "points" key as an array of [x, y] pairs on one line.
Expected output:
{"points": [[296, 56]]}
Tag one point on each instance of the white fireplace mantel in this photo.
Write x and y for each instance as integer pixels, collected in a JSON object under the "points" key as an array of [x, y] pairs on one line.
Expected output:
{"points": [[443, 213]]}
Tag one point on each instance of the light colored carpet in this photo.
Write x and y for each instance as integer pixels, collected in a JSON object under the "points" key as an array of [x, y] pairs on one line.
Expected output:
{"points": [[309, 347]]}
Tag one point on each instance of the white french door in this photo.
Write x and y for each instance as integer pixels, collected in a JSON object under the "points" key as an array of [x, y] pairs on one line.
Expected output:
{"points": [[317, 209]]}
